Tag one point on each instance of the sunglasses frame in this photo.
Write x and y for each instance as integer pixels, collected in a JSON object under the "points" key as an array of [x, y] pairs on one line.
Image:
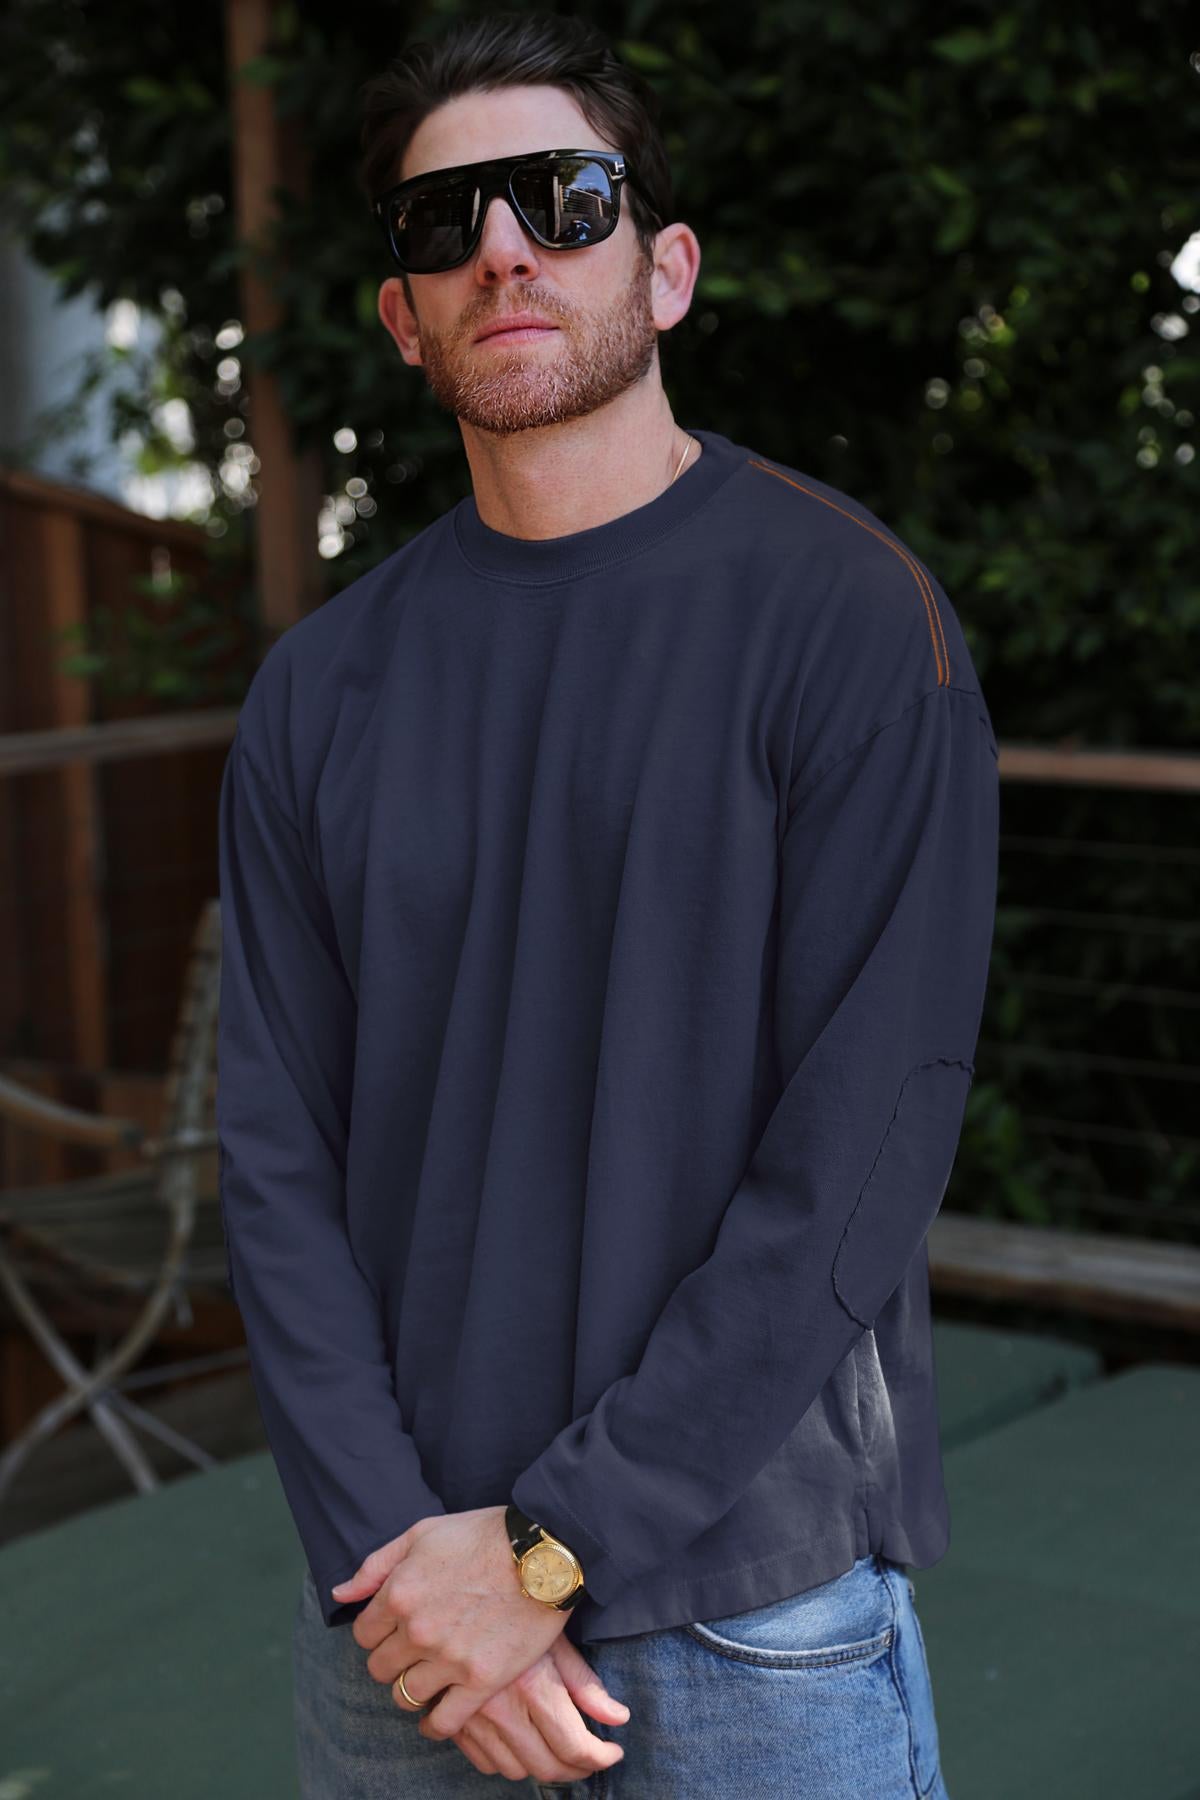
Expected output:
{"points": [[494, 178]]}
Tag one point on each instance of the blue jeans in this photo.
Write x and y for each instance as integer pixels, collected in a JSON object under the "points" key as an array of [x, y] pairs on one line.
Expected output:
{"points": [[824, 1695]]}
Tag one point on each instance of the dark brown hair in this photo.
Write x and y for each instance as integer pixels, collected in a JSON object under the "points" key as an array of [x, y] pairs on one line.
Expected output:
{"points": [[510, 49]]}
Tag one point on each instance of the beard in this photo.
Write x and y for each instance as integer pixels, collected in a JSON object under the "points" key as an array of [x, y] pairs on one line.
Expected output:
{"points": [[589, 361]]}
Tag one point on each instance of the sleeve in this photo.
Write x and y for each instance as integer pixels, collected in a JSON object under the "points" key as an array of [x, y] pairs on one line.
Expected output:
{"points": [[285, 1052], [886, 900]]}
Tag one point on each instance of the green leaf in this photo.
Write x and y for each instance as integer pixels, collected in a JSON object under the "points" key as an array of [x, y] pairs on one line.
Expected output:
{"points": [[263, 71], [947, 182], [969, 45], [648, 57], [957, 227], [719, 287], [144, 91], [887, 99], [859, 311], [366, 301]]}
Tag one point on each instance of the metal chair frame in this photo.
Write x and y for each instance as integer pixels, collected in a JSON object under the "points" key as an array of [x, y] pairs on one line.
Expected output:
{"points": [[168, 1184]]}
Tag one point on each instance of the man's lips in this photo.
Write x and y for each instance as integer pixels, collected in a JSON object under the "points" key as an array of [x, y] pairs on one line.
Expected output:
{"points": [[516, 334]]}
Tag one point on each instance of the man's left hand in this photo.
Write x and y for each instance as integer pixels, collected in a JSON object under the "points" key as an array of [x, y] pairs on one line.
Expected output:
{"points": [[449, 1611]]}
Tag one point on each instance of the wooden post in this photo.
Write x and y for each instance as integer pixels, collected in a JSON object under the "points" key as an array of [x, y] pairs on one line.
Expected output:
{"points": [[73, 853], [54, 975], [268, 152]]}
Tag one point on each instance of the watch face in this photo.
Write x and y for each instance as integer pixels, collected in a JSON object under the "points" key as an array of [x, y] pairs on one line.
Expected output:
{"points": [[547, 1573]]}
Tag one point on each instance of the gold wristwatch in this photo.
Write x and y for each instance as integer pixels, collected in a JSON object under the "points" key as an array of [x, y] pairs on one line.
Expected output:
{"points": [[548, 1571]]}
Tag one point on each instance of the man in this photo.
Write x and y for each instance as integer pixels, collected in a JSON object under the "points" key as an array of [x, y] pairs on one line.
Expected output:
{"points": [[607, 883]]}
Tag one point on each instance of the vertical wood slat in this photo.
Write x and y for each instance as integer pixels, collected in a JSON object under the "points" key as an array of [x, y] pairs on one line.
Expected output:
{"points": [[77, 918], [14, 539], [267, 153], [105, 860]]}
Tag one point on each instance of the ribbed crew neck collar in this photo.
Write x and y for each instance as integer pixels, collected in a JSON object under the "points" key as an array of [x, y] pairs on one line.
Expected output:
{"points": [[539, 561]]}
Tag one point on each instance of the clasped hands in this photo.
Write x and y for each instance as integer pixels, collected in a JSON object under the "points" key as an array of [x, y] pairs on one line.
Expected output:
{"points": [[492, 1666]]}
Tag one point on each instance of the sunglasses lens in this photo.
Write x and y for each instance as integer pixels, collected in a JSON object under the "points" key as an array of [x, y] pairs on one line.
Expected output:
{"points": [[567, 200], [429, 225]]}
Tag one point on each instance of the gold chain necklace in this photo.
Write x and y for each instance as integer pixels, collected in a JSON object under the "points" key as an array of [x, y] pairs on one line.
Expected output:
{"points": [[683, 458]]}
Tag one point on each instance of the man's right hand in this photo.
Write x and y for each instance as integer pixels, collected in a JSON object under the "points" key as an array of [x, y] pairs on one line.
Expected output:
{"points": [[534, 1726]]}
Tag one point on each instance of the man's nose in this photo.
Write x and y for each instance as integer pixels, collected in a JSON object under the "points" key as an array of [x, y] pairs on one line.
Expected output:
{"points": [[504, 239]]}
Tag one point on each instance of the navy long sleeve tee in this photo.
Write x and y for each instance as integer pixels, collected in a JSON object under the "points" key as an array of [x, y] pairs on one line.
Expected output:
{"points": [[606, 922]]}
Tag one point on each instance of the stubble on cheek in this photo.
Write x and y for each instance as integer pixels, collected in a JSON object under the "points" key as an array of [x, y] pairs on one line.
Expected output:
{"points": [[590, 362]]}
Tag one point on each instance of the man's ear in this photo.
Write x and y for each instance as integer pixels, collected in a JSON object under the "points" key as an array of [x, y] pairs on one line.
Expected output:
{"points": [[674, 274], [399, 319]]}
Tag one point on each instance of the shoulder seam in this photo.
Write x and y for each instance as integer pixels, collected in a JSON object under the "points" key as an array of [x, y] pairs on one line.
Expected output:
{"points": [[941, 656], [796, 800]]}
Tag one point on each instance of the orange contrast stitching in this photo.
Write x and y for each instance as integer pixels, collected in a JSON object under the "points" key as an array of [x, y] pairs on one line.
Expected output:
{"points": [[923, 588]]}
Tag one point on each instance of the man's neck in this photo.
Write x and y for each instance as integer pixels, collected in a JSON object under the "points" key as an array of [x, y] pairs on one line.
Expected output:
{"points": [[556, 479]]}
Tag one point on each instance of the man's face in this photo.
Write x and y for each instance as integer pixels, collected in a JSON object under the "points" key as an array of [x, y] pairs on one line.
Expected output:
{"points": [[598, 299]]}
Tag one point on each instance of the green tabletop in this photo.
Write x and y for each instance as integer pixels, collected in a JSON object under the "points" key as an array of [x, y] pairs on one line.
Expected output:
{"points": [[145, 1644], [1063, 1624], [987, 1377]]}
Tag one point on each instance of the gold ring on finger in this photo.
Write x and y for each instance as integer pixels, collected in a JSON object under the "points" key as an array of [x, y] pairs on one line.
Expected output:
{"points": [[398, 1685]]}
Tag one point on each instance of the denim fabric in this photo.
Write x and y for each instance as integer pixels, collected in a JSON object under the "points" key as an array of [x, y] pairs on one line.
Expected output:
{"points": [[824, 1695]]}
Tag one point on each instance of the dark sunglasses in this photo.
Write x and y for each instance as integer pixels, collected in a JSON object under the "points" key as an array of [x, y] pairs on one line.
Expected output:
{"points": [[565, 199]]}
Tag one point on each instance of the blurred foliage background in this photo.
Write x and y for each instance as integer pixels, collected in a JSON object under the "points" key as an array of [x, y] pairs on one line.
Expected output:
{"points": [[937, 246]]}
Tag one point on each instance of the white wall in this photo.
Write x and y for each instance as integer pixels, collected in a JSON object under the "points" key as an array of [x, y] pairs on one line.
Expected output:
{"points": [[41, 341]]}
